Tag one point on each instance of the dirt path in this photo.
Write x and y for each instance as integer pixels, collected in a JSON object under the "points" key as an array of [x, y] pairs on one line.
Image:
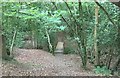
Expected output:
{"points": [[40, 63]]}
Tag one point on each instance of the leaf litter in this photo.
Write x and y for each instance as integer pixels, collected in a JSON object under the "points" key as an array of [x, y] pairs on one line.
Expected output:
{"points": [[32, 62]]}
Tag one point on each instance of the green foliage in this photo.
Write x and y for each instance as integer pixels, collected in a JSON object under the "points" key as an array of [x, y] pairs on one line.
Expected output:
{"points": [[69, 50], [35, 18], [102, 70], [62, 28]]}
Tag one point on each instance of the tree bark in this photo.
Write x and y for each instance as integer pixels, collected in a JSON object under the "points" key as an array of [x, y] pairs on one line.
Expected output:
{"points": [[4, 52], [0, 46], [1, 31], [12, 44], [49, 42], [33, 40], [97, 61], [82, 37]]}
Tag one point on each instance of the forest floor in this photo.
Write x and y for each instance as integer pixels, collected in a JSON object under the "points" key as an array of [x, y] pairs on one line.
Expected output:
{"points": [[31, 62]]}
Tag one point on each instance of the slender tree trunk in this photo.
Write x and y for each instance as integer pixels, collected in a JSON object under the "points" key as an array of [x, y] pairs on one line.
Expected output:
{"points": [[12, 44], [109, 58], [34, 34], [0, 42], [95, 37], [49, 42], [82, 34], [0, 55], [36, 38], [84, 56], [33, 39], [0, 46]]}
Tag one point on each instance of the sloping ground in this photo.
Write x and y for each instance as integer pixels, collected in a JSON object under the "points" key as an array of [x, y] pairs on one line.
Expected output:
{"points": [[31, 62]]}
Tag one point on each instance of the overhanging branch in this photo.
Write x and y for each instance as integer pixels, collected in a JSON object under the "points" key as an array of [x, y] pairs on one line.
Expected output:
{"points": [[105, 12]]}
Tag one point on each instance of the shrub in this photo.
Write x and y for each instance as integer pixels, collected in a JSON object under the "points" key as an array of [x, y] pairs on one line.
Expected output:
{"points": [[102, 70], [68, 50]]}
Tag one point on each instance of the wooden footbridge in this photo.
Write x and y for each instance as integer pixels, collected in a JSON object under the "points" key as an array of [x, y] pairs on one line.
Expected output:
{"points": [[59, 48], [60, 45]]}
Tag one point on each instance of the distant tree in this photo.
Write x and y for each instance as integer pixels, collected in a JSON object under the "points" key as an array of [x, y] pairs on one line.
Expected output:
{"points": [[0, 44]]}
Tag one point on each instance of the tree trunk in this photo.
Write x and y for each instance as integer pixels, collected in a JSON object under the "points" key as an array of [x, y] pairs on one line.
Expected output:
{"points": [[0, 46], [49, 42], [33, 39], [0, 54], [97, 61], [0, 42], [12, 44], [4, 52], [109, 57]]}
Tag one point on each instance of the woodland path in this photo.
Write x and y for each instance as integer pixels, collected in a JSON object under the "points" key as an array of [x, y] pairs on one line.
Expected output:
{"points": [[31, 62]]}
